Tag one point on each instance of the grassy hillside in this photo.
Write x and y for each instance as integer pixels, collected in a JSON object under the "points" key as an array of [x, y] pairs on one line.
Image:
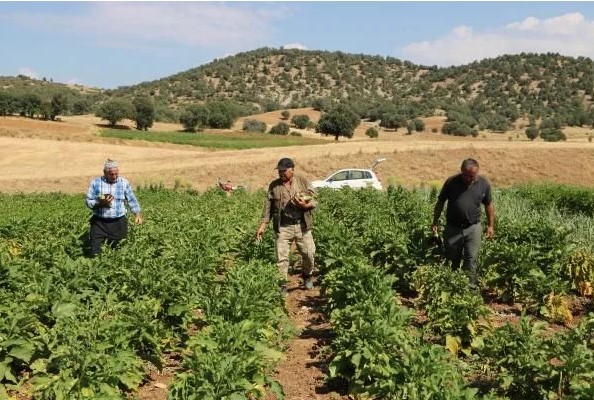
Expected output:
{"points": [[492, 92]]}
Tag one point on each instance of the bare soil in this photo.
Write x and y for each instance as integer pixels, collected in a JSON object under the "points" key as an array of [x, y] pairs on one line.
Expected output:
{"points": [[302, 373]]}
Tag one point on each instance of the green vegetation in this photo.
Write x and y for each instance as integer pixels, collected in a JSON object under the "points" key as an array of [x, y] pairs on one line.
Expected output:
{"points": [[253, 125], [491, 94], [218, 140], [192, 282], [282, 128], [372, 132]]}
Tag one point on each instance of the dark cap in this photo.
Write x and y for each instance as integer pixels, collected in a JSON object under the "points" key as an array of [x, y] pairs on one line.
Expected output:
{"points": [[285, 163]]}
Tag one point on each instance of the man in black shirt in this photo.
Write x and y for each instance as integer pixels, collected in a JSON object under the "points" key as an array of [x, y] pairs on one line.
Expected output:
{"points": [[464, 193]]}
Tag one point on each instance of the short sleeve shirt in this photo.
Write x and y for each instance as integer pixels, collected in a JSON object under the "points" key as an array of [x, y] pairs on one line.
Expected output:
{"points": [[464, 202]]}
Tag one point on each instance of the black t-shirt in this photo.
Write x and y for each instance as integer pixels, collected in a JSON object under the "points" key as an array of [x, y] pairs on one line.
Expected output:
{"points": [[464, 202]]}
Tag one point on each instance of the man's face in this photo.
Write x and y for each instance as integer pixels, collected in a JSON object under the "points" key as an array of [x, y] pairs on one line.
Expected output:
{"points": [[469, 175], [285, 174], [111, 175]]}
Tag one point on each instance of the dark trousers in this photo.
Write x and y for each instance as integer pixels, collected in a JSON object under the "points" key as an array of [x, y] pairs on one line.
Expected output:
{"points": [[463, 244], [110, 230]]}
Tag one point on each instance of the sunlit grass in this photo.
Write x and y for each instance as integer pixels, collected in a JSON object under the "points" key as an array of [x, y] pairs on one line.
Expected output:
{"points": [[215, 140]]}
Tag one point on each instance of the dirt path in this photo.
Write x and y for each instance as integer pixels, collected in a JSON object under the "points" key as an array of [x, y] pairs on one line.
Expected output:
{"points": [[302, 373]]}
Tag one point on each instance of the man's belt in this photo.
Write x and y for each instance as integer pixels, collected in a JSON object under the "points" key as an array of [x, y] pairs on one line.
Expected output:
{"points": [[290, 220], [463, 225]]}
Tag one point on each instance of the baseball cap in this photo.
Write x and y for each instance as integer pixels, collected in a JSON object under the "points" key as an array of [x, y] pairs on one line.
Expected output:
{"points": [[285, 163]]}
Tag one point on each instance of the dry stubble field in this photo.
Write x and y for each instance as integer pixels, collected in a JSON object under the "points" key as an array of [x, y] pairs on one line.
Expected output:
{"points": [[63, 156]]}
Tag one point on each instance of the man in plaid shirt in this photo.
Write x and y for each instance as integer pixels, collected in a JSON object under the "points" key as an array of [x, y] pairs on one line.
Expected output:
{"points": [[107, 198]]}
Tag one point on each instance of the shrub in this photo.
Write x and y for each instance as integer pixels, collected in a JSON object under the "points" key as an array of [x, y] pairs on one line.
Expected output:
{"points": [[253, 125], [532, 132], [280, 129], [295, 133], [552, 135], [285, 114], [458, 129], [372, 132], [300, 121]]}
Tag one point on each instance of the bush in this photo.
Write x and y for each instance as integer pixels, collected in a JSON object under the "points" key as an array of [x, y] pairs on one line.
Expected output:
{"points": [[552, 135], [300, 121], [253, 125], [280, 129], [285, 114], [417, 125], [458, 129], [295, 133], [372, 132], [532, 132]]}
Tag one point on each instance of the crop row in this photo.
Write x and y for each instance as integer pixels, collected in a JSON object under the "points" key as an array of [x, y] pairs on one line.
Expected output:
{"points": [[192, 283]]}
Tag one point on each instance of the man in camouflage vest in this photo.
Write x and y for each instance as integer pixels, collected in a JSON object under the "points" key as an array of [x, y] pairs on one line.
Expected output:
{"points": [[289, 205]]}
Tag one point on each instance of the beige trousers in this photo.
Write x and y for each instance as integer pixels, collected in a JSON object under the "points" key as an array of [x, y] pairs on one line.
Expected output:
{"points": [[305, 246]]}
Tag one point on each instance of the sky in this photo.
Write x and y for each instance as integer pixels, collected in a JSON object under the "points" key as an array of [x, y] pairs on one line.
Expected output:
{"points": [[107, 44]]}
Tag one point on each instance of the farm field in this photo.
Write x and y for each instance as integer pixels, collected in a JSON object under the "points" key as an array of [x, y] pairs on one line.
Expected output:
{"points": [[69, 316], [64, 156], [189, 306]]}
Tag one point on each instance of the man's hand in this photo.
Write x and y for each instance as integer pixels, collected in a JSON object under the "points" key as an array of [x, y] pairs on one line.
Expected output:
{"points": [[138, 218], [490, 232], [105, 200], [302, 203], [260, 232], [435, 229]]}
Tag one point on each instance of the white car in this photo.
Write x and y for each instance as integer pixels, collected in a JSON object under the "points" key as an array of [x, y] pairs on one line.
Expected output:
{"points": [[354, 178]]}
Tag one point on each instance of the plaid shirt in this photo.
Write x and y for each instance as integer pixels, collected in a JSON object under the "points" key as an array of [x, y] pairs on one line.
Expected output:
{"points": [[122, 193]]}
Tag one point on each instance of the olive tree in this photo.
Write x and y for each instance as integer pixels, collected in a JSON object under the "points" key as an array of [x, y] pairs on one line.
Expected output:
{"points": [[339, 121], [300, 121], [58, 105], [194, 117], [144, 112], [115, 110]]}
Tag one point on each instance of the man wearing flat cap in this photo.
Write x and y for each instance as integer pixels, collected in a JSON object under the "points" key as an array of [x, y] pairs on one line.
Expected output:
{"points": [[289, 205], [107, 198]]}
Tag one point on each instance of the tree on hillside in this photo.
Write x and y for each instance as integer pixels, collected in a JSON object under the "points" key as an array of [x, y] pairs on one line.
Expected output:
{"points": [[532, 130], [115, 110], [392, 121], [321, 104], [145, 112], [9, 103], [194, 117], [59, 105], [81, 107], [45, 110], [253, 125], [285, 114], [340, 121], [282, 128], [300, 121], [30, 104]]}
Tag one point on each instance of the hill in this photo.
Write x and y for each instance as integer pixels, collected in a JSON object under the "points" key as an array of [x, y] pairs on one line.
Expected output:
{"points": [[488, 94]]}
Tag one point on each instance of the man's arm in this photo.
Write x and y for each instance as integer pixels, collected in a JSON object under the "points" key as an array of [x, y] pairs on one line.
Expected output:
{"points": [[92, 200], [490, 211], [133, 203], [265, 216], [436, 214]]}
